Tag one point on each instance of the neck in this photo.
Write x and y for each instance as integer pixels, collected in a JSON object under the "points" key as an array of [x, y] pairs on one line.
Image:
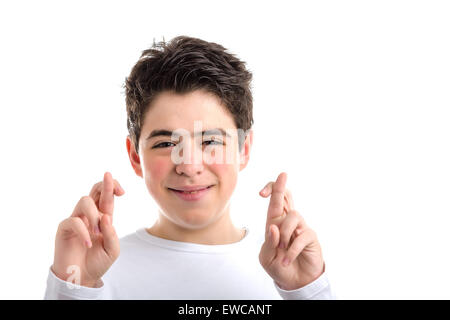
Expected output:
{"points": [[221, 231]]}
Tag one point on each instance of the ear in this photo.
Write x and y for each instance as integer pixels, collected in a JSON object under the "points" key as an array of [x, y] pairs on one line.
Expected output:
{"points": [[134, 157], [245, 153]]}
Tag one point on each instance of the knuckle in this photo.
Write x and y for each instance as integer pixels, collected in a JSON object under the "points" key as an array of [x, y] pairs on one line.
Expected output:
{"points": [[261, 257], [85, 200], [283, 227], [299, 217], [88, 203], [113, 233], [291, 254], [284, 238], [63, 223], [95, 187], [67, 224], [115, 253], [292, 213], [75, 221]]}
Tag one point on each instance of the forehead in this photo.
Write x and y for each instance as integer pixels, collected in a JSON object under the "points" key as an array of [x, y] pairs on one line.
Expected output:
{"points": [[172, 111]]}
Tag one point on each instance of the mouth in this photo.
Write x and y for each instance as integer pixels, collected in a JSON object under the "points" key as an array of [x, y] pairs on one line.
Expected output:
{"points": [[191, 190], [193, 194]]}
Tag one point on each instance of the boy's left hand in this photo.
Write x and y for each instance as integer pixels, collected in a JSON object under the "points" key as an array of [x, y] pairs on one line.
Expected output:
{"points": [[288, 239]]}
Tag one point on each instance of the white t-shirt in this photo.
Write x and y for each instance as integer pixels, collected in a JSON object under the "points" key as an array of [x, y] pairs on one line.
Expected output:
{"points": [[154, 268]]}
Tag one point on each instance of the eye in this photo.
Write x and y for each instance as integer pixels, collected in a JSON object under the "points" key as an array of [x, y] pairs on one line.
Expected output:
{"points": [[213, 142], [162, 145]]}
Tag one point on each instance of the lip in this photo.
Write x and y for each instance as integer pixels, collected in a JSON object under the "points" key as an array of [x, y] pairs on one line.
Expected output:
{"points": [[192, 188], [192, 196]]}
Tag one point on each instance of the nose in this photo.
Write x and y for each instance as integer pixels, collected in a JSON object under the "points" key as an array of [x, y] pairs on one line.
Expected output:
{"points": [[189, 170], [192, 158]]}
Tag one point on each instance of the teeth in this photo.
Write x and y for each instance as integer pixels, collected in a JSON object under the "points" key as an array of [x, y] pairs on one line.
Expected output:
{"points": [[190, 192]]}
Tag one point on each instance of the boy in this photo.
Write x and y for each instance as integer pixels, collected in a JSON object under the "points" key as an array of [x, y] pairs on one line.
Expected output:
{"points": [[189, 109]]}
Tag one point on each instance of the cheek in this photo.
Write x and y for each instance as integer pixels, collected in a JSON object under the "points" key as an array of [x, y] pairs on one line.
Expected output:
{"points": [[227, 175], [156, 170]]}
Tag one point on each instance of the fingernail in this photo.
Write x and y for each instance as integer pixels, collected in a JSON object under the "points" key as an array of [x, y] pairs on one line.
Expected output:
{"points": [[96, 230], [88, 243], [285, 261], [281, 245]]}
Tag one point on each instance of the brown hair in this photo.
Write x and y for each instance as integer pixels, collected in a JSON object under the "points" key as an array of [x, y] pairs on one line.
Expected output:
{"points": [[183, 65]]}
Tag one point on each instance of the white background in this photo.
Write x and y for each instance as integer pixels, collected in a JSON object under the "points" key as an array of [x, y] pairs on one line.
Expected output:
{"points": [[351, 99]]}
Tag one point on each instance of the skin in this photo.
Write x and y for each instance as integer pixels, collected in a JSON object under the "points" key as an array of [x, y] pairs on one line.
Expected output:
{"points": [[208, 220], [291, 253], [87, 238]]}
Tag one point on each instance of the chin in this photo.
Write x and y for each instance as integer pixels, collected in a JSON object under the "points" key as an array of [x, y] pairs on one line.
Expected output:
{"points": [[194, 220]]}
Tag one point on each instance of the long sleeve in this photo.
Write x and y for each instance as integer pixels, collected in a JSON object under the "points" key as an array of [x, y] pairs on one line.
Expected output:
{"points": [[58, 289], [319, 289]]}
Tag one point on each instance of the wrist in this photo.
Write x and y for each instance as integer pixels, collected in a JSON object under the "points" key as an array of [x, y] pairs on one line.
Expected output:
{"points": [[302, 282], [90, 283]]}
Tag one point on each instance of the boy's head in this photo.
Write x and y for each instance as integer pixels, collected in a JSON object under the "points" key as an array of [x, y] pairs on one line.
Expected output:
{"points": [[174, 93], [184, 65]]}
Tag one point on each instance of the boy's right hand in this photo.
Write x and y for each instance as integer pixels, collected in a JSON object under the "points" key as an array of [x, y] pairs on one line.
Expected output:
{"points": [[86, 242]]}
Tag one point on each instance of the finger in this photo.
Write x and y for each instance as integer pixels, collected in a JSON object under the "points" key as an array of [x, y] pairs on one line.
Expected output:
{"points": [[110, 239], [118, 190], [76, 226], [298, 245], [276, 203], [289, 200], [97, 190], [87, 208], [292, 222], [86, 221], [268, 251], [267, 190], [106, 202], [274, 235]]}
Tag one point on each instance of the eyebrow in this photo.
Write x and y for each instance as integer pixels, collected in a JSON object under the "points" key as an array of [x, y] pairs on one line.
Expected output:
{"points": [[168, 133]]}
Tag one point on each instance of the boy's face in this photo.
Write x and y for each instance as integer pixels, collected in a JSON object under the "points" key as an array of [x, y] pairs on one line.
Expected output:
{"points": [[184, 160]]}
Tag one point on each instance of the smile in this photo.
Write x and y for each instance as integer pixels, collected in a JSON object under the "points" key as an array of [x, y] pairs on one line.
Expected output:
{"points": [[192, 195]]}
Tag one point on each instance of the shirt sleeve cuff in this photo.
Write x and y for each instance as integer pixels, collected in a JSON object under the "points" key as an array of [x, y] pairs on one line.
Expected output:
{"points": [[319, 289], [58, 289]]}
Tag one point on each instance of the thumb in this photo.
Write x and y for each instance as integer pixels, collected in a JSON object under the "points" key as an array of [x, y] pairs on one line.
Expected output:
{"points": [[274, 236], [110, 240], [269, 248]]}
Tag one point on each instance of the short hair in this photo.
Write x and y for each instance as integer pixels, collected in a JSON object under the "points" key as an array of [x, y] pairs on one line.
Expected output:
{"points": [[183, 65]]}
